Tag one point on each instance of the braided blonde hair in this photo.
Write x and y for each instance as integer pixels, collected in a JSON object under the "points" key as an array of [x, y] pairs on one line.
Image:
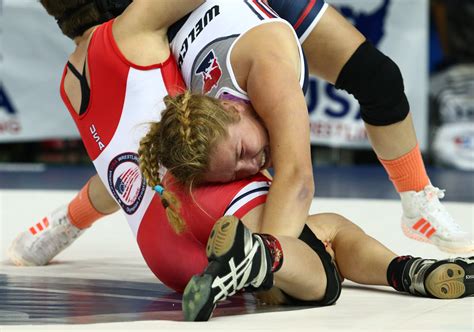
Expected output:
{"points": [[182, 141]]}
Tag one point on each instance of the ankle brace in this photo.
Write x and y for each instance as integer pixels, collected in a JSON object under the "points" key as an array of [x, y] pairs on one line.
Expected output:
{"points": [[395, 272], [273, 247]]}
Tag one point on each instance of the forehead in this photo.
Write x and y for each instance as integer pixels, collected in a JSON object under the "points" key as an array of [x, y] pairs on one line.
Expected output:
{"points": [[222, 158]]}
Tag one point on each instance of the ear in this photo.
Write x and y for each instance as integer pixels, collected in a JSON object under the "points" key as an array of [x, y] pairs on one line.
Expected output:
{"points": [[239, 106]]}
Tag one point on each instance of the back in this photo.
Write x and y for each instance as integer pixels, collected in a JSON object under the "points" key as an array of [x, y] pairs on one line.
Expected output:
{"points": [[124, 98]]}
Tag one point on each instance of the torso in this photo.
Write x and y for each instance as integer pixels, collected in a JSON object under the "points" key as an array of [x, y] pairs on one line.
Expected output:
{"points": [[125, 97]]}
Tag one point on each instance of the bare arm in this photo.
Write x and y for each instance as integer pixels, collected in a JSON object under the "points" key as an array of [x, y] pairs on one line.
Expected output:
{"points": [[153, 15], [273, 87], [140, 31]]}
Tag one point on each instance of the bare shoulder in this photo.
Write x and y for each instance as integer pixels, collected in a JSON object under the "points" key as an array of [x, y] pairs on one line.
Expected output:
{"points": [[265, 48], [275, 39], [139, 43], [274, 34], [147, 16], [140, 32]]}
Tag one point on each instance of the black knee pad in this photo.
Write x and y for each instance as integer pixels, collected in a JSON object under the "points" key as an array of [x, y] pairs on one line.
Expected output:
{"points": [[376, 82], [333, 287]]}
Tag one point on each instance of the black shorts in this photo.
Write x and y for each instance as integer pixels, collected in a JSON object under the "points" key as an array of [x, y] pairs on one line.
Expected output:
{"points": [[303, 15], [333, 288]]}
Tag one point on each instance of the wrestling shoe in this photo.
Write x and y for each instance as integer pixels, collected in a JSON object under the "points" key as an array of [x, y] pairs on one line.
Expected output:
{"points": [[443, 279], [237, 259], [40, 243], [425, 219]]}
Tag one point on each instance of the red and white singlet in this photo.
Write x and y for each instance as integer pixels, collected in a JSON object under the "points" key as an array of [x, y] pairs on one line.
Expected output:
{"points": [[124, 99]]}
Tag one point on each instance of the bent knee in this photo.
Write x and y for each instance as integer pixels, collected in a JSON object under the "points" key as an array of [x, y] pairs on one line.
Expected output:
{"points": [[343, 223], [326, 226]]}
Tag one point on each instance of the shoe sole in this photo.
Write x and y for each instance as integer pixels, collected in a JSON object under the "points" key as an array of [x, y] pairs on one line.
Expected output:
{"points": [[222, 237], [415, 236], [196, 297], [197, 294], [446, 281]]}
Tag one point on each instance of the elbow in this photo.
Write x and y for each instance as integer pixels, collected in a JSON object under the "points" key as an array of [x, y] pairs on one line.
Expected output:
{"points": [[303, 182], [306, 192], [299, 179]]}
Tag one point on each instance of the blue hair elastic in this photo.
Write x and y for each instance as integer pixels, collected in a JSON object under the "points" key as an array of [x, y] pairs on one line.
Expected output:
{"points": [[159, 189]]}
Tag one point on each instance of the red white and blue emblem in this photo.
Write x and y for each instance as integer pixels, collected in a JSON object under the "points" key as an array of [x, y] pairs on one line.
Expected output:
{"points": [[210, 71], [126, 181]]}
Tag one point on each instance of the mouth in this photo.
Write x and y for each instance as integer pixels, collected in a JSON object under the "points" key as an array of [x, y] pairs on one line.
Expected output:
{"points": [[265, 160]]}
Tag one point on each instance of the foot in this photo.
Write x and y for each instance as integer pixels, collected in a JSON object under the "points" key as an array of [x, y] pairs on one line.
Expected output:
{"points": [[237, 259], [426, 219], [444, 279], [40, 243]]}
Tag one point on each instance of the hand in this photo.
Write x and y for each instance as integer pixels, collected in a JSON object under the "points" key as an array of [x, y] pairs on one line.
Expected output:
{"points": [[273, 296]]}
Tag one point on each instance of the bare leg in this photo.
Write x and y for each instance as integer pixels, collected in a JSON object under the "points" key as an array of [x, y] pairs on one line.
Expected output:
{"points": [[100, 197], [302, 274], [359, 257], [385, 140], [328, 47]]}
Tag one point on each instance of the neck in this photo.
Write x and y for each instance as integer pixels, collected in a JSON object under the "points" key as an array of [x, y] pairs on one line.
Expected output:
{"points": [[85, 36]]}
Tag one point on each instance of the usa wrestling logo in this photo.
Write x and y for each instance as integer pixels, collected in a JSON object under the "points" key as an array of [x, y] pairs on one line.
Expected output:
{"points": [[211, 72], [126, 181]]}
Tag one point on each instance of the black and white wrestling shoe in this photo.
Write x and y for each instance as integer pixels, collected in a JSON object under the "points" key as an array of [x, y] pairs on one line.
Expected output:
{"points": [[237, 259], [450, 278]]}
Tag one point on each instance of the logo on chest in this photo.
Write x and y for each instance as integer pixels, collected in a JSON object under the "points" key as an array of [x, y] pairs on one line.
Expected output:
{"points": [[126, 181], [209, 15], [210, 71]]}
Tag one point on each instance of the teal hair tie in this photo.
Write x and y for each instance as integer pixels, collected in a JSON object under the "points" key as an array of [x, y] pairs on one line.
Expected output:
{"points": [[159, 189]]}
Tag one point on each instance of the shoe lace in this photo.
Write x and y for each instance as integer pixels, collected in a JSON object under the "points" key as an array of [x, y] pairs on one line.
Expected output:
{"points": [[430, 204], [237, 278]]}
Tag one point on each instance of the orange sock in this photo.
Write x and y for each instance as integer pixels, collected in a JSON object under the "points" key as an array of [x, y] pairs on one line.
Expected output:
{"points": [[81, 212], [407, 172]]}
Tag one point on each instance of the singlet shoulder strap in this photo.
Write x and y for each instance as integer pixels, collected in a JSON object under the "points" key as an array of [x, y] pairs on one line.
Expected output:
{"points": [[85, 89]]}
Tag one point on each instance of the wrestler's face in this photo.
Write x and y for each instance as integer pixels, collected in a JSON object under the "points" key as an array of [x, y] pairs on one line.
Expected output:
{"points": [[244, 152]]}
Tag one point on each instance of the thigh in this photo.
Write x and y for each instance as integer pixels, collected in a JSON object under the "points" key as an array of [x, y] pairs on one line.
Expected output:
{"points": [[328, 39], [326, 226], [202, 207], [173, 258], [330, 44]]}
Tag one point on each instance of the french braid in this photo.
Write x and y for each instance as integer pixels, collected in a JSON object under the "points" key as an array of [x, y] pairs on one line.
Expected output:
{"points": [[182, 142]]}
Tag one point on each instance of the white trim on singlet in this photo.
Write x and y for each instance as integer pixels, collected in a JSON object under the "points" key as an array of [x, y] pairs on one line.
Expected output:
{"points": [[313, 24], [247, 194], [231, 91]]}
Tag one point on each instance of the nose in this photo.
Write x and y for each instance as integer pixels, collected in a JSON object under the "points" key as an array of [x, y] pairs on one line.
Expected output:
{"points": [[247, 167]]}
